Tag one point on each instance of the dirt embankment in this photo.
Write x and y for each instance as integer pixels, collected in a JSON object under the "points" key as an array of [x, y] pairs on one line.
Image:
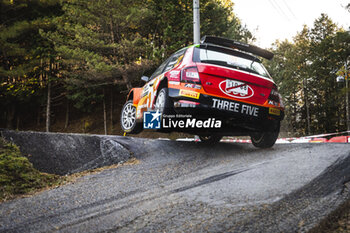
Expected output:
{"points": [[68, 153]]}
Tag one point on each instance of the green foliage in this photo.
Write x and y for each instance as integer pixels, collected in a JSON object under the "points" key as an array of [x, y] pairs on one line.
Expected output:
{"points": [[17, 174], [24, 54], [82, 47], [84, 99], [305, 70], [95, 41], [169, 23]]}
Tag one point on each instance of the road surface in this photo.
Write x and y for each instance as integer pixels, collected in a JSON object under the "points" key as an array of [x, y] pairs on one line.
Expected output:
{"points": [[193, 187]]}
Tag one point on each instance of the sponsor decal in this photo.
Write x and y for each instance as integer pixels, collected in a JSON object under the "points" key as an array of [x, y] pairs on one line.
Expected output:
{"points": [[191, 94], [142, 106], [139, 108], [153, 91], [145, 90], [235, 107], [236, 89], [138, 113], [151, 120], [174, 83], [150, 88], [275, 111], [190, 85], [174, 73]]}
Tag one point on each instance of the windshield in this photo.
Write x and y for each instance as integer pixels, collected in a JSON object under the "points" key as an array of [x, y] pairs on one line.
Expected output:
{"points": [[232, 61]]}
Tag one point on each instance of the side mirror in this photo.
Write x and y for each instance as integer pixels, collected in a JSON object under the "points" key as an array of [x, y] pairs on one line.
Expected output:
{"points": [[340, 79], [145, 78]]}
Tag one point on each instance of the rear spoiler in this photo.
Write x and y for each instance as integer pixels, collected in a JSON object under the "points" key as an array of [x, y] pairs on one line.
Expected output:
{"points": [[237, 45]]}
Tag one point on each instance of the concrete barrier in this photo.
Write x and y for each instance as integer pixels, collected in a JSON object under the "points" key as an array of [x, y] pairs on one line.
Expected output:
{"points": [[62, 154]]}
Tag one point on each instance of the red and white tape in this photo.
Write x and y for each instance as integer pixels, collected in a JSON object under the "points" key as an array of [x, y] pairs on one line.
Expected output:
{"points": [[319, 138], [236, 140]]}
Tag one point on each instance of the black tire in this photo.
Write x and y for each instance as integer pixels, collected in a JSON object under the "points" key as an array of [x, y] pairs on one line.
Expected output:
{"points": [[212, 139], [128, 119], [163, 103], [265, 139], [165, 106]]}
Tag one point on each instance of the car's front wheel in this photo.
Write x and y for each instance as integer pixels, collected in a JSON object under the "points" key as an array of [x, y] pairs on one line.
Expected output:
{"points": [[265, 139], [128, 119]]}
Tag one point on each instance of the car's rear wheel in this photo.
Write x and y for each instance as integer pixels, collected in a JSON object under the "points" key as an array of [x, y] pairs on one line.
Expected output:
{"points": [[265, 139], [210, 139], [128, 119], [163, 103]]}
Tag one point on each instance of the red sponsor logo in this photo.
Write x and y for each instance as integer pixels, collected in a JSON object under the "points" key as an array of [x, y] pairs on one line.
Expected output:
{"points": [[236, 89]]}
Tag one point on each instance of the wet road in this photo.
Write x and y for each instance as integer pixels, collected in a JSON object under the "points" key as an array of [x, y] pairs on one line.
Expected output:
{"points": [[191, 187]]}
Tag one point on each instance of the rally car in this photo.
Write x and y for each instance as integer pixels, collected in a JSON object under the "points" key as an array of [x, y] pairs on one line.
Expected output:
{"points": [[218, 79]]}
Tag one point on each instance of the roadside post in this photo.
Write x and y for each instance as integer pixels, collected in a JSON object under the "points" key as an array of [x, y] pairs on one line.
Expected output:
{"points": [[341, 79], [196, 22], [347, 95]]}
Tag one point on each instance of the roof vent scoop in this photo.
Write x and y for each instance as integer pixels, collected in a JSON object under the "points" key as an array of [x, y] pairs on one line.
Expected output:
{"points": [[237, 45]]}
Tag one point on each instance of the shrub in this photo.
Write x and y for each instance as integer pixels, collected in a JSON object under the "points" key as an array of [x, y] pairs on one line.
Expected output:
{"points": [[17, 174]]}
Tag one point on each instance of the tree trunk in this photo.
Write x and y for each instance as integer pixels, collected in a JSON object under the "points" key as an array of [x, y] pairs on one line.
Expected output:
{"points": [[84, 126], [114, 53], [18, 122], [347, 98], [104, 112], [67, 115], [307, 108], [48, 107], [10, 114], [111, 113], [38, 117], [112, 34]]}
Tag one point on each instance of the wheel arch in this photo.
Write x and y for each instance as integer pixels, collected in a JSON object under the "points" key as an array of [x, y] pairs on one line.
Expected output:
{"points": [[134, 95], [130, 95], [162, 84]]}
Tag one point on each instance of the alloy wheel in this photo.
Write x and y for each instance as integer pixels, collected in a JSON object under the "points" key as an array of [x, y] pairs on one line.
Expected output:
{"points": [[128, 116]]}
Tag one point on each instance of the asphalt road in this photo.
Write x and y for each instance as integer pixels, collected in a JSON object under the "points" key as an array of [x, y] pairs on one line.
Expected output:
{"points": [[192, 187]]}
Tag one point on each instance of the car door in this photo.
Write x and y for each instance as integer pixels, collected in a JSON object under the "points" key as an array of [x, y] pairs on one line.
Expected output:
{"points": [[149, 90]]}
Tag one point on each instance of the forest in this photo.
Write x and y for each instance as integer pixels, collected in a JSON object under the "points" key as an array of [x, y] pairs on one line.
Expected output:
{"points": [[306, 71], [65, 60]]}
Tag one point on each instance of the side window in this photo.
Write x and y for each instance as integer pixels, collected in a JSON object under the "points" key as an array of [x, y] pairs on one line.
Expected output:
{"points": [[159, 69], [175, 59], [170, 63]]}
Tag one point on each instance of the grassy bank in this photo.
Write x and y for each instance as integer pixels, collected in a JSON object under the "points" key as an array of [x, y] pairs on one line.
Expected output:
{"points": [[338, 221], [17, 174], [18, 177]]}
